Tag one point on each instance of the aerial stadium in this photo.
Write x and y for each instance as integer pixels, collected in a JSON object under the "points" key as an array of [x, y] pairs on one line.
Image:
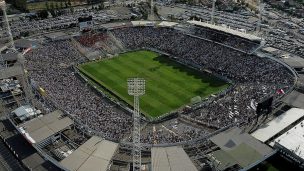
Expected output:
{"points": [[207, 92]]}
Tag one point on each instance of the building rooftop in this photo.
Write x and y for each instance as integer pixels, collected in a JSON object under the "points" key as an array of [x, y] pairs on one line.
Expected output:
{"points": [[167, 24], [295, 99], [171, 158], [238, 148], [24, 112], [275, 126], [293, 140], [143, 23], [94, 155], [294, 61], [12, 56], [43, 127], [225, 29]]}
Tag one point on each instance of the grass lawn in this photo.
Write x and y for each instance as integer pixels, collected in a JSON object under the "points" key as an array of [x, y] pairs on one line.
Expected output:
{"points": [[169, 85]]}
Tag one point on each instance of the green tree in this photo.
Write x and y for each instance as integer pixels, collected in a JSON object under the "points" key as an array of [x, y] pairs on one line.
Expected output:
{"points": [[101, 6], [43, 14], [69, 3], [52, 6], [57, 6], [19, 4], [47, 7], [72, 10]]}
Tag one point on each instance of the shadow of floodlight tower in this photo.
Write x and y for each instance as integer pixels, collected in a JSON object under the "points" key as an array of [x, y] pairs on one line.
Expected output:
{"points": [[136, 88]]}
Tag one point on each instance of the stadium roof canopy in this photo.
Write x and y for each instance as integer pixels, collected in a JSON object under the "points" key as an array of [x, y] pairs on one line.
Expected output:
{"points": [[167, 24], [301, 80], [226, 30], [10, 56], [11, 71], [57, 36], [293, 140], [143, 23], [40, 128], [295, 99], [2, 47], [294, 61], [171, 158], [116, 25], [238, 148], [275, 126], [24, 43], [270, 49], [94, 155]]}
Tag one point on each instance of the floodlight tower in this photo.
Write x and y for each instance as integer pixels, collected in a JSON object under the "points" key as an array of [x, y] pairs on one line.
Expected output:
{"points": [[213, 11], [136, 88], [9, 42], [6, 25], [152, 7]]}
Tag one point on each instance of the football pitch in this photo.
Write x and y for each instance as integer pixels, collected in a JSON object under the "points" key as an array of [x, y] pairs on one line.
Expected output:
{"points": [[169, 85]]}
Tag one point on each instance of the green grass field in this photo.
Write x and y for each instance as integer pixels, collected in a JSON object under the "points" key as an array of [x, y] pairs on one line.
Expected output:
{"points": [[169, 85]]}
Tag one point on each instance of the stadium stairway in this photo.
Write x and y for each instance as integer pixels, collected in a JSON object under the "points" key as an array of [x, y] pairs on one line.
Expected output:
{"points": [[118, 44], [89, 53]]}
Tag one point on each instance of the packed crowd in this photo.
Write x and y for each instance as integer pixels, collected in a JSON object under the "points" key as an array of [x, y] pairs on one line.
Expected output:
{"points": [[50, 67], [172, 130], [237, 105], [255, 78], [103, 42], [224, 61], [226, 39], [91, 40]]}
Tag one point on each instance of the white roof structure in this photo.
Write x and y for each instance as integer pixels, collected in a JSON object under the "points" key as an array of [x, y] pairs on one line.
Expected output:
{"points": [[171, 158], [143, 23], [225, 29], [40, 128], [167, 24], [24, 112], [275, 126], [270, 49], [94, 155], [293, 139], [294, 61]]}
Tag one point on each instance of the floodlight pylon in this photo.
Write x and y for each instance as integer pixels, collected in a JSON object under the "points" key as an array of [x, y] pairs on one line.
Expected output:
{"points": [[136, 88], [6, 25], [213, 11]]}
